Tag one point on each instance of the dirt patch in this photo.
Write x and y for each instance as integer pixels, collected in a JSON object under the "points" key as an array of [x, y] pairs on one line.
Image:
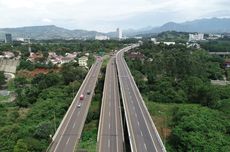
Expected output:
{"points": [[23, 112], [31, 74], [162, 126]]}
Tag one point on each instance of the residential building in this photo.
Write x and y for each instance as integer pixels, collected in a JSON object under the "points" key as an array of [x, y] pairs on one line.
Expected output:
{"points": [[196, 37], [82, 61], [136, 56], [20, 39], [215, 36], [138, 37], [169, 43], [227, 64], [58, 59], [71, 55], [193, 45], [35, 56], [67, 60], [55, 61]]}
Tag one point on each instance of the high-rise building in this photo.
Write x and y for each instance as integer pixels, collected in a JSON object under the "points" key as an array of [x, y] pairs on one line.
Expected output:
{"points": [[119, 33], [196, 37], [8, 38]]}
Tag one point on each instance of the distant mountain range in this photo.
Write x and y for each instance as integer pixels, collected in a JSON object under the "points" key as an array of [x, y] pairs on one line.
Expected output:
{"points": [[47, 32], [213, 25]]}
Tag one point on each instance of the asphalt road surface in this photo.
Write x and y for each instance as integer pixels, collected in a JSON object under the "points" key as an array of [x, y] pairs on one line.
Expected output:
{"points": [[69, 131], [110, 134], [142, 132]]}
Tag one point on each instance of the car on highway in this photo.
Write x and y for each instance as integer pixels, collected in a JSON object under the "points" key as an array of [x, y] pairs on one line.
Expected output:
{"points": [[81, 97], [79, 105], [88, 92]]}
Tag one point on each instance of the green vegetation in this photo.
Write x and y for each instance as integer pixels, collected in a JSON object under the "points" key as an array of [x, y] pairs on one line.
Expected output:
{"points": [[188, 111], [177, 74], [3, 98], [173, 36], [2, 78], [228, 74], [221, 45], [195, 127], [40, 106], [91, 60], [62, 46]]}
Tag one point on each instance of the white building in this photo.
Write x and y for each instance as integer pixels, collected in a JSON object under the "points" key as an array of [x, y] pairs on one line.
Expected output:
{"points": [[101, 37], [193, 45], [59, 59], [169, 43], [71, 55], [154, 40], [20, 39], [138, 37], [67, 60], [82, 61], [119, 33], [8, 54], [215, 36], [196, 37]]}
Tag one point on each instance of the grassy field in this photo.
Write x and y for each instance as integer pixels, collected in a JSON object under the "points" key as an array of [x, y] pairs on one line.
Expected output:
{"points": [[88, 140], [161, 114], [3, 98]]}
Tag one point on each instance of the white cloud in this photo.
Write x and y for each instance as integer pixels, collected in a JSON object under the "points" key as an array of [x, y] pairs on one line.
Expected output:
{"points": [[46, 20], [97, 14]]}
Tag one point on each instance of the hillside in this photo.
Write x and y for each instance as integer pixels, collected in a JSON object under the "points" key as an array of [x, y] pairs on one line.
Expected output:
{"points": [[47, 32], [213, 25]]}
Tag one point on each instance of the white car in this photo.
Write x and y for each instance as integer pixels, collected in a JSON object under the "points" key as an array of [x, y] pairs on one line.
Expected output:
{"points": [[79, 105]]}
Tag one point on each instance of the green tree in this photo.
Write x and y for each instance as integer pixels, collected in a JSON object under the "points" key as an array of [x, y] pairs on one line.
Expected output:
{"points": [[21, 146], [195, 127], [25, 65], [2, 78], [43, 130]]}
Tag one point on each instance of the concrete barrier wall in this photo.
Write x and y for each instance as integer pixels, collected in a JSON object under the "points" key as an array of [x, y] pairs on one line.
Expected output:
{"points": [[9, 65]]}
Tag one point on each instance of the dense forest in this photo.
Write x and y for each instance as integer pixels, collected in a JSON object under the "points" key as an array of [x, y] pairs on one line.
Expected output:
{"points": [[27, 123], [176, 74], [220, 45], [173, 36]]}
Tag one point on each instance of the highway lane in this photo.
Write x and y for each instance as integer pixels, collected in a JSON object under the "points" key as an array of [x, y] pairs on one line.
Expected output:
{"points": [[142, 131], [69, 131], [110, 133]]}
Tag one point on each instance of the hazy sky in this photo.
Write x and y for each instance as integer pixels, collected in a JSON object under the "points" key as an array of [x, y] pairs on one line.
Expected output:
{"points": [[106, 15]]}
